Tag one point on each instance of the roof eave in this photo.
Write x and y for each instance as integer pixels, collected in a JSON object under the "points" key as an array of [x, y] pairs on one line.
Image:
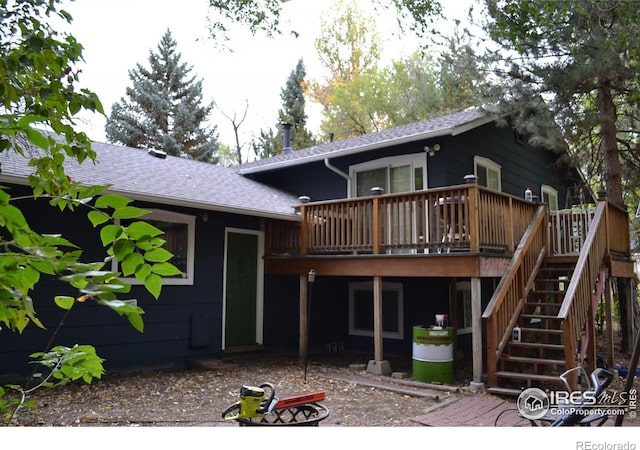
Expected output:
{"points": [[451, 131], [13, 179]]}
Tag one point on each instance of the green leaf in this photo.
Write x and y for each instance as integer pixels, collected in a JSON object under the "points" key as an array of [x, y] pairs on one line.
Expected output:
{"points": [[136, 321], [143, 272], [166, 269], [64, 301], [36, 138], [109, 234], [12, 215], [122, 248], [153, 283], [131, 263], [139, 229], [129, 212], [111, 201], [98, 217], [158, 255]]}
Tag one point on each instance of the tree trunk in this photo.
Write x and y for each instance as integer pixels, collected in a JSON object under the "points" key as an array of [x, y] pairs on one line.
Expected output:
{"points": [[613, 181]]}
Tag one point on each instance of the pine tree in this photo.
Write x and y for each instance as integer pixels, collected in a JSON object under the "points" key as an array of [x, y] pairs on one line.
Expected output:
{"points": [[292, 112], [164, 108]]}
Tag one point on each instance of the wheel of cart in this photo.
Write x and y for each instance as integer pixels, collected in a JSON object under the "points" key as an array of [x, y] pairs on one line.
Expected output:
{"points": [[256, 409]]}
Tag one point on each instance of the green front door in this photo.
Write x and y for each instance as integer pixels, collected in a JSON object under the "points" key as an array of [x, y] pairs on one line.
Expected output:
{"points": [[241, 299]]}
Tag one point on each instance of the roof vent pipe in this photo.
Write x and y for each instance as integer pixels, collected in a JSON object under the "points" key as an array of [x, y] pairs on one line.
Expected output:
{"points": [[286, 138]]}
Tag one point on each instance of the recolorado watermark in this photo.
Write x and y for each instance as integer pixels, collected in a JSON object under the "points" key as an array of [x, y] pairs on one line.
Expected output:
{"points": [[605, 445], [535, 404]]}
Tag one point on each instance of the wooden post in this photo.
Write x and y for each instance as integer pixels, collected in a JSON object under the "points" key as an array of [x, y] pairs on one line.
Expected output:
{"points": [[377, 317], [376, 225], [510, 229], [304, 331], [609, 318], [304, 231], [591, 333], [474, 213], [476, 329]]}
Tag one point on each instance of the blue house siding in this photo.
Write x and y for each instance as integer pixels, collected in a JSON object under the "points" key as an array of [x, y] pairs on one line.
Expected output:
{"points": [[329, 313], [184, 323], [522, 165]]}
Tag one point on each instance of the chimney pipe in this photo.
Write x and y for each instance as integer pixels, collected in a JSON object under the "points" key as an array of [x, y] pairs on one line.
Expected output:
{"points": [[286, 138]]}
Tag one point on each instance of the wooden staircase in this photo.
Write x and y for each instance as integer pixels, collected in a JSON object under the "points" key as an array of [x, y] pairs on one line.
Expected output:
{"points": [[539, 357], [553, 298]]}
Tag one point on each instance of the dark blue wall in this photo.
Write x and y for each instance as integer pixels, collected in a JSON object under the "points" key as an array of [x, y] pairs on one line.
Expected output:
{"points": [[522, 165], [185, 322]]}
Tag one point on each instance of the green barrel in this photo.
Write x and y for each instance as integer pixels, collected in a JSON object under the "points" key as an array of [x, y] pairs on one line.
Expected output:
{"points": [[433, 354]]}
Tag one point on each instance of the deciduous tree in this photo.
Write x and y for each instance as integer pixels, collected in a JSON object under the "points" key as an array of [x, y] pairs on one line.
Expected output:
{"points": [[40, 97]]}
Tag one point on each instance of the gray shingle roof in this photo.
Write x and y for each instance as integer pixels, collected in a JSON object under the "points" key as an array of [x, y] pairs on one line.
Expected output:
{"points": [[182, 182], [172, 181], [450, 124]]}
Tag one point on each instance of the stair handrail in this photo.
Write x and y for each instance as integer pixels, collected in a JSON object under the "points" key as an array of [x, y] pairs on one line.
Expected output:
{"points": [[577, 302], [507, 301]]}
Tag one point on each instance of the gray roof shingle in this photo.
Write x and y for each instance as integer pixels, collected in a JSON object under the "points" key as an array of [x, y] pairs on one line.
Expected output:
{"points": [[183, 182], [172, 181], [450, 124]]}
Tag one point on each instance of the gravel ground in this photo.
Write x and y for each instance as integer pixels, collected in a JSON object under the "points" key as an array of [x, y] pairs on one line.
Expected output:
{"points": [[198, 396]]}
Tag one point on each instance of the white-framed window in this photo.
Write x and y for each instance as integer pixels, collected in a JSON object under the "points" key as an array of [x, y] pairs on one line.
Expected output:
{"points": [[488, 173], [405, 173], [463, 307], [179, 235], [361, 309], [549, 196]]}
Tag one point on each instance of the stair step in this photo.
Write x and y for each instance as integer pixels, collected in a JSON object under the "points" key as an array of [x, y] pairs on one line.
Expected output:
{"points": [[527, 359], [526, 376], [546, 292], [496, 390], [547, 307], [541, 330], [538, 345], [543, 304], [539, 316]]}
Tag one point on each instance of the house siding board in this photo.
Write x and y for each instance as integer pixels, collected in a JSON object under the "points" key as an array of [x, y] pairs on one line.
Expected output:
{"points": [[329, 312], [281, 312], [522, 165], [314, 180], [166, 339]]}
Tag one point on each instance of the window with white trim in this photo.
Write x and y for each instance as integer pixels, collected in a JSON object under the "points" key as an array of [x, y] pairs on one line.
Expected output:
{"points": [[361, 309], [549, 197], [488, 173], [394, 174], [179, 236]]}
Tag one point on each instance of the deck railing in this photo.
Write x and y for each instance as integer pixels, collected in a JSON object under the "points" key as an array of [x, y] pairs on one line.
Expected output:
{"points": [[507, 301], [466, 218], [576, 305]]}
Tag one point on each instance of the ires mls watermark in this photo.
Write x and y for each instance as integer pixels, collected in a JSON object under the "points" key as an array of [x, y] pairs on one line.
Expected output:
{"points": [[535, 404]]}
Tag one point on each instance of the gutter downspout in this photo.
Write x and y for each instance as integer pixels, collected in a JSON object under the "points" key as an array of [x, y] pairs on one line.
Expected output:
{"points": [[336, 170]]}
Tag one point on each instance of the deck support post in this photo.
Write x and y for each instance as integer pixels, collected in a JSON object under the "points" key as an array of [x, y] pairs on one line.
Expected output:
{"points": [[378, 366], [609, 320], [303, 351], [476, 332]]}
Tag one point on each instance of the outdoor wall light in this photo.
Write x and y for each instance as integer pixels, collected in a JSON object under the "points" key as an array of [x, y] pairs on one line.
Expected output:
{"points": [[432, 150], [311, 276]]}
